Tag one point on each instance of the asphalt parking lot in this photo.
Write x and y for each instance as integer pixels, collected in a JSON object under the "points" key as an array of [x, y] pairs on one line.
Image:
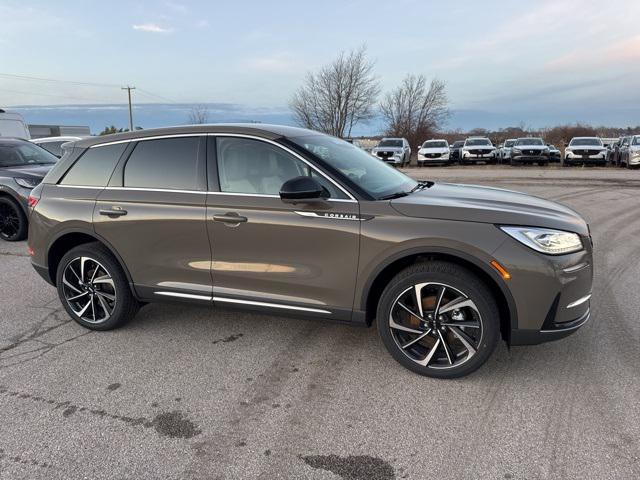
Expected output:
{"points": [[192, 393]]}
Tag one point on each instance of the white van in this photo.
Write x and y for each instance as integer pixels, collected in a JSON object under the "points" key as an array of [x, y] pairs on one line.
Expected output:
{"points": [[13, 125]]}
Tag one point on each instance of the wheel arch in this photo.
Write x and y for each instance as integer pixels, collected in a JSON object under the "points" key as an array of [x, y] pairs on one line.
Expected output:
{"points": [[8, 193], [68, 239], [379, 279]]}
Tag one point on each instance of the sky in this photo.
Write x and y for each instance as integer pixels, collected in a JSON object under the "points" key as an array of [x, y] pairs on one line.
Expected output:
{"points": [[505, 62]]}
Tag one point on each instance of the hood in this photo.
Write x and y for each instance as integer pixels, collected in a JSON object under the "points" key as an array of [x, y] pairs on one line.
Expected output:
{"points": [[586, 147], [388, 149], [479, 147], [433, 150], [530, 147], [473, 203], [26, 171]]}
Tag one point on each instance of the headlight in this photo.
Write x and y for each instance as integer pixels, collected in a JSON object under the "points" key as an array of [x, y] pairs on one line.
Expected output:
{"points": [[544, 240], [516, 151], [27, 182]]}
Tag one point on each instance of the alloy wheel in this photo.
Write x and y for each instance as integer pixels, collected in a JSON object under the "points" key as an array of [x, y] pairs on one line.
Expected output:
{"points": [[9, 222], [89, 290], [436, 325]]}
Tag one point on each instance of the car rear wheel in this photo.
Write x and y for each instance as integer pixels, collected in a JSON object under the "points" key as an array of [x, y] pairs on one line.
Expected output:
{"points": [[13, 221], [94, 289], [438, 319]]}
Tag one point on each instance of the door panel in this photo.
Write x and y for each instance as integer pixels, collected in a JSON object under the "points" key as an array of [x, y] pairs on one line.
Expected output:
{"points": [[162, 238], [308, 258]]}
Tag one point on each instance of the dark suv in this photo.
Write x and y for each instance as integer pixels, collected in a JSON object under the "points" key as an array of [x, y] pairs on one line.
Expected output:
{"points": [[288, 220], [23, 165]]}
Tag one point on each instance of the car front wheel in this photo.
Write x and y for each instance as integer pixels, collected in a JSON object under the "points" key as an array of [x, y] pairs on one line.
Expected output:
{"points": [[438, 319], [94, 289]]}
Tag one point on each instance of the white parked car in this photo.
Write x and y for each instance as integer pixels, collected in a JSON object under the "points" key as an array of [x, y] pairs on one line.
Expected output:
{"points": [[583, 150], [54, 144], [630, 154], [477, 149], [503, 154], [13, 125], [395, 151], [434, 151]]}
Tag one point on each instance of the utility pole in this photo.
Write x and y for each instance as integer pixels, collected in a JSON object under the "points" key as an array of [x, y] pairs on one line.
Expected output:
{"points": [[128, 89]]}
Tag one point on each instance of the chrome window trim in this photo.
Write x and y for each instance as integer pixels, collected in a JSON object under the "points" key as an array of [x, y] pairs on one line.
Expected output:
{"points": [[184, 295], [75, 186], [291, 152], [351, 198], [142, 139], [164, 190], [270, 305]]}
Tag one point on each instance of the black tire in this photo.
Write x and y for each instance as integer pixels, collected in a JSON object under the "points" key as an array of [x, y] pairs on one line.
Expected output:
{"points": [[124, 306], [13, 221], [461, 282], [513, 163]]}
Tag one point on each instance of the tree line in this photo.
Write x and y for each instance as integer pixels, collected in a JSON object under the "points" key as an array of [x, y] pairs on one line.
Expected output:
{"points": [[346, 92]]}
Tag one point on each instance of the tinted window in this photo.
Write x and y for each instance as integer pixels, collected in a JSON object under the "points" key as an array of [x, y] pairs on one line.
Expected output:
{"points": [[17, 153], [372, 175], [253, 166], [509, 143], [478, 142], [53, 147], [529, 141], [170, 163], [391, 143], [586, 142], [95, 166], [434, 144], [636, 140]]}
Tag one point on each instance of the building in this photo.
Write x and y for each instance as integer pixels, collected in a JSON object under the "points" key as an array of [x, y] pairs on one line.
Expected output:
{"points": [[43, 131]]}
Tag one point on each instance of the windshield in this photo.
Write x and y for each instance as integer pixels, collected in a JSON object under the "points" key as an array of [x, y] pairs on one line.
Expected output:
{"points": [[19, 154], [372, 175], [458, 144], [530, 141], [474, 142], [577, 142], [390, 143], [509, 143], [434, 144]]}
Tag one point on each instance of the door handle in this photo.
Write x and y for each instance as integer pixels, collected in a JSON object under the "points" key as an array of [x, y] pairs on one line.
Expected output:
{"points": [[113, 212], [230, 218]]}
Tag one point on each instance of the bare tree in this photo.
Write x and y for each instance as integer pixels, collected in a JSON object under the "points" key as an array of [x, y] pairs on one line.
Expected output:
{"points": [[199, 114], [338, 96], [415, 109]]}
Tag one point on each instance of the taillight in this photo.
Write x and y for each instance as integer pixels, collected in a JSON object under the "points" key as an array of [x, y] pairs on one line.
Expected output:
{"points": [[32, 201]]}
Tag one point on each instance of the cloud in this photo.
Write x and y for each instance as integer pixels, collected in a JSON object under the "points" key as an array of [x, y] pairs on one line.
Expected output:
{"points": [[176, 7], [152, 27], [202, 24], [275, 63]]}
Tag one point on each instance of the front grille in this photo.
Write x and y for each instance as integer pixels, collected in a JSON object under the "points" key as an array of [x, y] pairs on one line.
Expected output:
{"points": [[432, 155], [480, 151], [586, 152], [384, 154]]}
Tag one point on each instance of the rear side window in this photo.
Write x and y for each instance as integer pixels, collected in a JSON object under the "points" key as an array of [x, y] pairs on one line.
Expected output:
{"points": [[95, 166], [53, 147], [167, 163]]}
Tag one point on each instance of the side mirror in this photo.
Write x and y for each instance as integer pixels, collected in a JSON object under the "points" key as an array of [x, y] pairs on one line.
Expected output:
{"points": [[301, 188], [566, 144]]}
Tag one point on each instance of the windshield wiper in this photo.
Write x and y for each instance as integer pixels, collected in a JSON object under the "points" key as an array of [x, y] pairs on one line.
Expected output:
{"points": [[422, 185], [391, 196]]}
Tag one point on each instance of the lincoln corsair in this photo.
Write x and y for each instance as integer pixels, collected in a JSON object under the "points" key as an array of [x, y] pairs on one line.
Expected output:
{"points": [[287, 220]]}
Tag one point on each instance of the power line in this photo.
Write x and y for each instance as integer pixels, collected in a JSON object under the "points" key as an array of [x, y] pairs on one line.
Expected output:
{"points": [[153, 95], [51, 80]]}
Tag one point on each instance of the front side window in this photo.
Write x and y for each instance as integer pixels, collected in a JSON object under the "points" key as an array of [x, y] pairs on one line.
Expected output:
{"points": [[165, 163], [247, 166], [94, 167], [373, 176], [636, 140]]}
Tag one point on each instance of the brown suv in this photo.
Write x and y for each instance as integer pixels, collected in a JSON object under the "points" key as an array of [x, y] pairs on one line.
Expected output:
{"points": [[287, 220]]}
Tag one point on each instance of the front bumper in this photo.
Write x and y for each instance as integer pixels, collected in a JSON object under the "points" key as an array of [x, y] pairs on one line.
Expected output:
{"points": [[530, 158], [552, 294], [585, 158], [440, 159]]}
